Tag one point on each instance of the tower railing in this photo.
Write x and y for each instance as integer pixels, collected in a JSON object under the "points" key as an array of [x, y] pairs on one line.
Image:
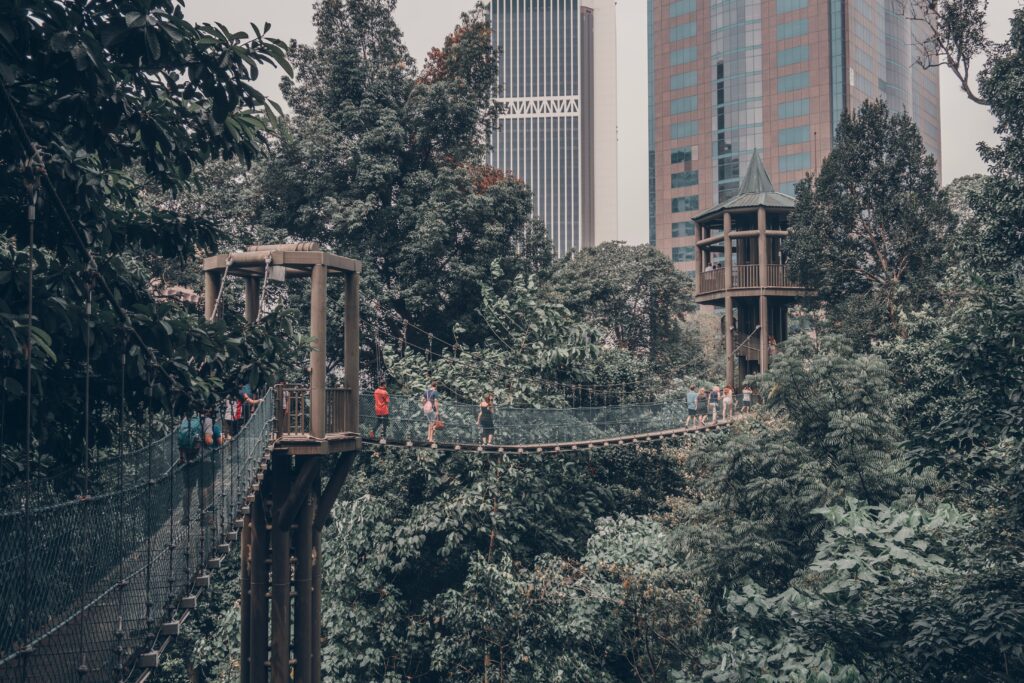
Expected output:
{"points": [[746, 276]]}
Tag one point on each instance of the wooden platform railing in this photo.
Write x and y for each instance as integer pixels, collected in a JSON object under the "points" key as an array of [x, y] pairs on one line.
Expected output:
{"points": [[293, 410], [747, 276]]}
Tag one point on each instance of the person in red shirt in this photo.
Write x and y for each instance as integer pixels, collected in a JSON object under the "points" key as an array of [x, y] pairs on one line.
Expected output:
{"points": [[382, 407]]}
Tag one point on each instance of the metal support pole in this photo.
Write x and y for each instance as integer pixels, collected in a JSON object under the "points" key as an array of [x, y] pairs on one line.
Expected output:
{"points": [[252, 299], [318, 353], [352, 351], [211, 285], [245, 553], [280, 598], [304, 613], [258, 593]]}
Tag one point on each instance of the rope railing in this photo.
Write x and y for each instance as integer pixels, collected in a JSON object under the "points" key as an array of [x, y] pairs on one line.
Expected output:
{"points": [[107, 572]]}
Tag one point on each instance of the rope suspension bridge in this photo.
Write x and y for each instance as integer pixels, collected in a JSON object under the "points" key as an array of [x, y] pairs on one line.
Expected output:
{"points": [[96, 587]]}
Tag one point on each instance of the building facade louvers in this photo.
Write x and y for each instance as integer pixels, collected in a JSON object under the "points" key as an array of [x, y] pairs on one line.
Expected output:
{"points": [[727, 77], [557, 129]]}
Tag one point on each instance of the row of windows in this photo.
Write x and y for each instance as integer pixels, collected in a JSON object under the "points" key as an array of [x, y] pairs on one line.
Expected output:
{"points": [[687, 203], [683, 56], [791, 29], [793, 82], [794, 162], [794, 108], [683, 229], [783, 6], [685, 129], [682, 254], [684, 105], [684, 179], [793, 55], [793, 136], [683, 31], [683, 80], [681, 7], [681, 155]]}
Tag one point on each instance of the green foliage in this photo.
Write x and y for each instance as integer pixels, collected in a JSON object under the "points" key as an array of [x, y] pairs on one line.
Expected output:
{"points": [[863, 233], [636, 294]]}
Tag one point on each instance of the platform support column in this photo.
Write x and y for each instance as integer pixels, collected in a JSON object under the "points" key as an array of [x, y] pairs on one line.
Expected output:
{"points": [[252, 299], [762, 278], [211, 287], [245, 604], [258, 592], [281, 573], [318, 354], [729, 341], [352, 351], [305, 627]]}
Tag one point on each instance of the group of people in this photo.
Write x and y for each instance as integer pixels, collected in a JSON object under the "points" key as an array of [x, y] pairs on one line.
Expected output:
{"points": [[432, 412], [211, 427], [716, 403]]}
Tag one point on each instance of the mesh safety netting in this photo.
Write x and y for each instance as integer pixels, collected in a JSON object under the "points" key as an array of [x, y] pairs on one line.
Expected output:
{"points": [[87, 583]]}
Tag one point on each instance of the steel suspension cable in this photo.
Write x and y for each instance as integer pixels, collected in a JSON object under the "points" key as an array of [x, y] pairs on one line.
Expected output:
{"points": [[120, 633]]}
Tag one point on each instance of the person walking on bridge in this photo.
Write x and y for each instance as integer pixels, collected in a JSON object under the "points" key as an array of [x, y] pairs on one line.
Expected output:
{"points": [[432, 409], [382, 409], [702, 406], [713, 402], [727, 403], [691, 406], [485, 420]]}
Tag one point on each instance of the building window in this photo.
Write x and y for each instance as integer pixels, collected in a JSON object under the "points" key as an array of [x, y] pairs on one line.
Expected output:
{"points": [[793, 55], [685, 80], [681, 7], [683, 56], [783, 6], [788, 110], [688, 203], [683, 31], [794, 162], [684, 105], [791, 29], [788, 188], [792, 136], [682, 254], [685, 129], [794, 81], [684, 179], [682, 154], [683, 229]]}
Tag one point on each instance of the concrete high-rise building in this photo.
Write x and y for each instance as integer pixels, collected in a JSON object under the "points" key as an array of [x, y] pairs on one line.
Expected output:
{"points": [[557, 133], [727, 77]]}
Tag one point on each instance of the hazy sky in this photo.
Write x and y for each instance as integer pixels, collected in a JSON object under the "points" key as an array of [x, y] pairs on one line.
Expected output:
{"points": [[426, 22]]}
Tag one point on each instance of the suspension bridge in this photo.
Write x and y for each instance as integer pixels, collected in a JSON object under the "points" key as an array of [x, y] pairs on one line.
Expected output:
{"points": [[96, 587]]}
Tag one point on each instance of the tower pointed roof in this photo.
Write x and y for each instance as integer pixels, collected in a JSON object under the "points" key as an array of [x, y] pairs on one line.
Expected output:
{"points": [[755, 191]]}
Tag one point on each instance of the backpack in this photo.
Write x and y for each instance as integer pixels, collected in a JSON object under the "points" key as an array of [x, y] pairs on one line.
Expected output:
{"points": [[428, 407], [189, 432]]}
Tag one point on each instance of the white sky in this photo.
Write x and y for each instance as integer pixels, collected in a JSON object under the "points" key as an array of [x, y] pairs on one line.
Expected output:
{"points": [[426, 22]]}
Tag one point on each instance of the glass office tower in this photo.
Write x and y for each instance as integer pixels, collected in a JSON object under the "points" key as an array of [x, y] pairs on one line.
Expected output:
{"points": [[557, 130], [731, 76]]}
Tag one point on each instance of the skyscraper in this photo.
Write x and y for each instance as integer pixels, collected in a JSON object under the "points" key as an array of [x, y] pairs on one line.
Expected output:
{"points": [[727, 77], [557, 133]]}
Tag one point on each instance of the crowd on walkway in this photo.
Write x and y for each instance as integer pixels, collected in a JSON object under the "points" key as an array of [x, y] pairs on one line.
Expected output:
{"points": [[710, 405], [212, 427]]}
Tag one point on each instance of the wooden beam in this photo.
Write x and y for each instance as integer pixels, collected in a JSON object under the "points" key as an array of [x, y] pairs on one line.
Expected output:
{"points": [[285, 514], [333, 488]]}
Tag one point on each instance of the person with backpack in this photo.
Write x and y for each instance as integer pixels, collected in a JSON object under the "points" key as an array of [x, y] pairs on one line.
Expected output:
{"points": [[190, 433], [713, 402], [432, 410], [382, 408], [702, 406]]}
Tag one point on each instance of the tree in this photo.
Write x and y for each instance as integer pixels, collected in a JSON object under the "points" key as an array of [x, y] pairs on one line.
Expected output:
{"points": [[636, 294], [382, 163], [863, 233], [97, 102]]}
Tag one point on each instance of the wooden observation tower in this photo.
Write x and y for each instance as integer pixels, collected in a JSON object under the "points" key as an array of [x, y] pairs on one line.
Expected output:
{"points": [[313, 426], [742, 268]]}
